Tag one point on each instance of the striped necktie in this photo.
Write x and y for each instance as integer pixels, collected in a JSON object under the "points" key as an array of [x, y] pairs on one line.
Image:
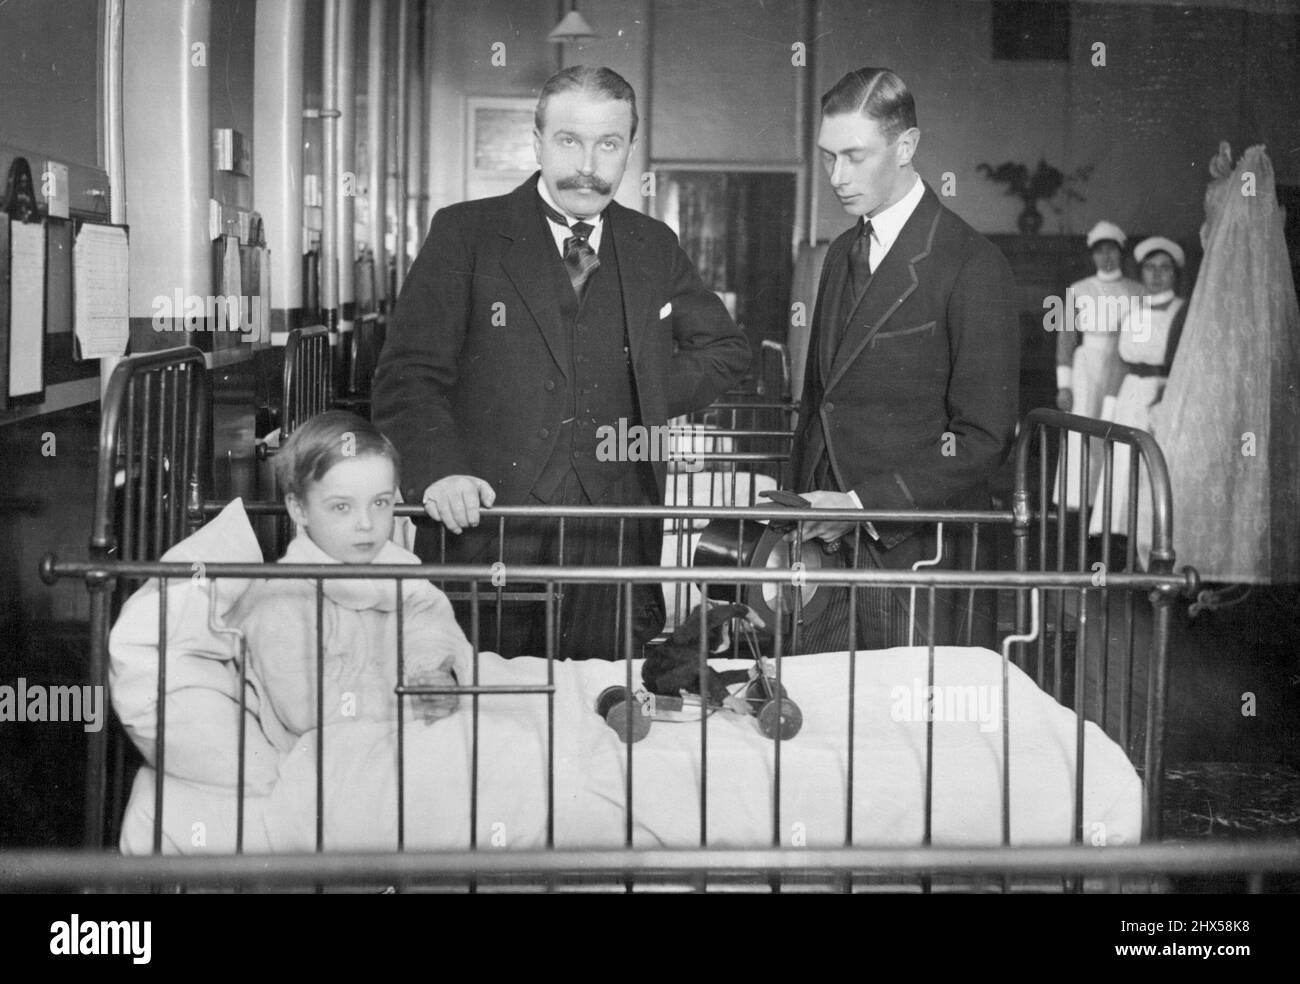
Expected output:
{"points": [[579, 258]]}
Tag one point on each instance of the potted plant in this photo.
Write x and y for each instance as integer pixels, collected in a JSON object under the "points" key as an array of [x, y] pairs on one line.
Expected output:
{"points": [[1045, 183]]}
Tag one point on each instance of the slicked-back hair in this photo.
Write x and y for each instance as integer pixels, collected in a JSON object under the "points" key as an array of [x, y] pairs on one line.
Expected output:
{"points": [[876, 93], [599, 81], [321, 442]]}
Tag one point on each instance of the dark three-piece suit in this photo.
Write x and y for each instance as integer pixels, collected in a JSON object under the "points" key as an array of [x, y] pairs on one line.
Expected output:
{"points": [[911, 401], [495, 367]]}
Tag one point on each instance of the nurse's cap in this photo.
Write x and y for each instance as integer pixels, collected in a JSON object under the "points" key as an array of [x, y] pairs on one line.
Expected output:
{"points": [[1106, 230], [1159, 244]]}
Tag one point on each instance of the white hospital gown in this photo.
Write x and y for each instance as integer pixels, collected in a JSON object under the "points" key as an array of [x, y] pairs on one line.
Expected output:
{"points": [[359, 640]]}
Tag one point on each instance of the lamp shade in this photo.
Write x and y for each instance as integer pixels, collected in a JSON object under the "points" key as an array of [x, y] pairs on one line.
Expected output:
{"points": [[573, 27]]}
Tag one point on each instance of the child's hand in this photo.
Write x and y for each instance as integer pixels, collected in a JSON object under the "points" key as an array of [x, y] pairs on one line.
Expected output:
{"points": [[432, 707]]}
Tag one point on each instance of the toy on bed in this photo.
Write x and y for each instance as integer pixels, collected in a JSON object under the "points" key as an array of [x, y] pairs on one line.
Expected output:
{"points": [[673, 682]]}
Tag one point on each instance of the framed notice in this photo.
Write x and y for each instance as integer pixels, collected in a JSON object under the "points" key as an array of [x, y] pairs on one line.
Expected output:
{"points": [[498, 144]]}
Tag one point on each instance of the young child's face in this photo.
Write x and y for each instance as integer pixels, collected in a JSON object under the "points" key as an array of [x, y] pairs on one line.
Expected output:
{"points": [[349, 512]]}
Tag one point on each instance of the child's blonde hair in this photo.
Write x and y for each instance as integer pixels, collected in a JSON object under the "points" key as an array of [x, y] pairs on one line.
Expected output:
{"points": [[321, 443]]}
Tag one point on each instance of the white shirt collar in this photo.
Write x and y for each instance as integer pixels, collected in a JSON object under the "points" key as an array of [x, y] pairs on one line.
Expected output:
{"points": [[561, 233], [1110, 276], [888, 223]]}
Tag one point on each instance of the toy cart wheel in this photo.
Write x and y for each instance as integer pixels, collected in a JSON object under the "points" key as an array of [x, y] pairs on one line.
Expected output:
{"points": [[760, 691], [784, 715], [618, 718], [608, 698]]}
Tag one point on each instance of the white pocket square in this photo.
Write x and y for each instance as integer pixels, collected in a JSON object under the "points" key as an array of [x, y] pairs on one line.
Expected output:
{"points": [[666, 310]]}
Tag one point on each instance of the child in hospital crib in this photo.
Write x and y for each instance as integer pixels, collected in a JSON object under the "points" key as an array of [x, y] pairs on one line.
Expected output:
{"points": [[340, 476]]}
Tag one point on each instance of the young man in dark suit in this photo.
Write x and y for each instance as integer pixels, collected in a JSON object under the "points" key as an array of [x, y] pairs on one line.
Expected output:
{"points": [[529, 323], [911, 390]]}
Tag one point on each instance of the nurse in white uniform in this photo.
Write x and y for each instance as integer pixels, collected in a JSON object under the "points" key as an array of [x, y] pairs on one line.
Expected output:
{"points": [[1088, 367], [1148, 338]]}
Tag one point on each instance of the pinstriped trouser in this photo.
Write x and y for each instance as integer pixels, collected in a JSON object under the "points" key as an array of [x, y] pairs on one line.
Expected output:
{"points": [[884, 613]]}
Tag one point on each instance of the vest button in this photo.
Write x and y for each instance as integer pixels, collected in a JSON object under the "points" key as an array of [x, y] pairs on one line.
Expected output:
{"points": [[543, 433], [828, 406], [550, 385]]}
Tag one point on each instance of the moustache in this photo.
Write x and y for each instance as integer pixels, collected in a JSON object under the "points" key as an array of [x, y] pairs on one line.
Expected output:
{"points": [[578, 181]]}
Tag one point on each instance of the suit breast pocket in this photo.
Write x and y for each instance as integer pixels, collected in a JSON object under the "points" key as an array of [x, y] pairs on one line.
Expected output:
{"points": [[915, 332]]}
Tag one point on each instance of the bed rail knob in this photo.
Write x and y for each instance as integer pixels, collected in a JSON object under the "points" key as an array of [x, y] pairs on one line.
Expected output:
{"points": [[46, 568]]}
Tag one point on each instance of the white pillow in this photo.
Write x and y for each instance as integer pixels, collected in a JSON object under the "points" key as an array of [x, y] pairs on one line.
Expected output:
{"points": [[202, 685]]}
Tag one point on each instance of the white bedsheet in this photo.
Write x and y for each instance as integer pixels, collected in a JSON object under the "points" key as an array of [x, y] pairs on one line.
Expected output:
{"points": [[889, 779]]}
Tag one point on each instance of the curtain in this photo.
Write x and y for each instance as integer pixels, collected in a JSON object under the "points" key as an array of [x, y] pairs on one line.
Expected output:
{"points": [[1229, 422]]}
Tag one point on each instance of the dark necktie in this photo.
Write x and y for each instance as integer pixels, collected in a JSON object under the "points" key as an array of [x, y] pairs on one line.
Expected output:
{"points": [[579, 258], [859, 276], [860, 260]]}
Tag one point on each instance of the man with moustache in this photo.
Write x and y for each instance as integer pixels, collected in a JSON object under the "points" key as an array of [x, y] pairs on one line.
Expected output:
{"points": [[528, 322], [913, 369]]}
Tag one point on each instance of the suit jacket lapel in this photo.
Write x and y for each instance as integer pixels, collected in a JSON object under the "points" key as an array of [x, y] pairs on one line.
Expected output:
{"points": [[638, 296], [893, 282], [527, 262], [834, 282]]}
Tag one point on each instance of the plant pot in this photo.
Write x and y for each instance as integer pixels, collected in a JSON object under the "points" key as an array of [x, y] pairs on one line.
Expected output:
{"points": [[1031, 220]]}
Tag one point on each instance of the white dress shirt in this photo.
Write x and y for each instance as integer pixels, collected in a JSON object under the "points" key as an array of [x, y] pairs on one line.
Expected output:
{"points": [[888, 223]]}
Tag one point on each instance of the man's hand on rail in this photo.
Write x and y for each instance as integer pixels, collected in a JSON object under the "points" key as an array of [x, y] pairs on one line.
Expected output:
{"points": [[814, 529], [1065, 399], [454, 501]]}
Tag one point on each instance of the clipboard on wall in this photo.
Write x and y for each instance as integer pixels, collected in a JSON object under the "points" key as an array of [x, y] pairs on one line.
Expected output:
{"points": [[23, 265], [25, 376], [25, 285]]}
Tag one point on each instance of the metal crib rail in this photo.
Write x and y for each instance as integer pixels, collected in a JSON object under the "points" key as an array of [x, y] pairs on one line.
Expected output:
{"points": [[308, 381], [34, 870], [153, 445], [1032, 498], [552, 576]]}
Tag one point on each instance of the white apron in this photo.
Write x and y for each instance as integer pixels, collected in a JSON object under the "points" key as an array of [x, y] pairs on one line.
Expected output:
{"points": [[1131, 407], [1096, 371]]}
